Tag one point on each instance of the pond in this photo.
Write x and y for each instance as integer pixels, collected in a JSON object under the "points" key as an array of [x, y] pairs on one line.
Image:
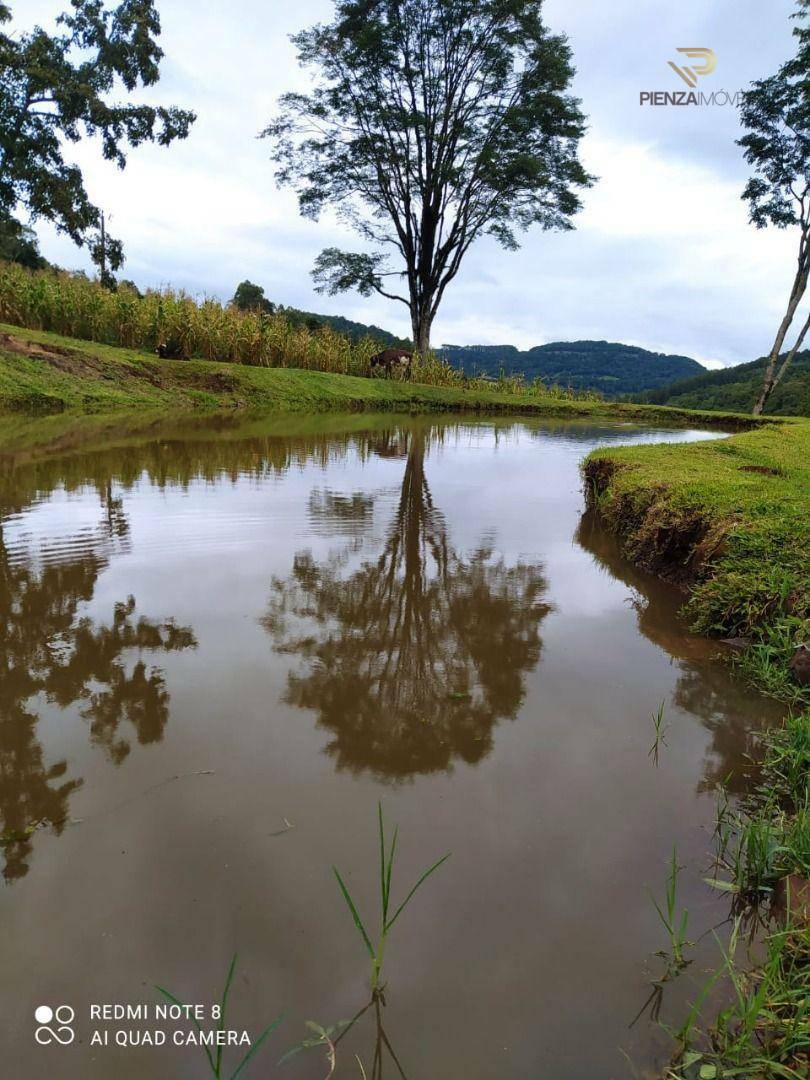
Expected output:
{"points": [[226, 641]]}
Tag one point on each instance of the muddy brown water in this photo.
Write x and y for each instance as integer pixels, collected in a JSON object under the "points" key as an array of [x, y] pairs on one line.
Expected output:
{"points": [[224, 642]]}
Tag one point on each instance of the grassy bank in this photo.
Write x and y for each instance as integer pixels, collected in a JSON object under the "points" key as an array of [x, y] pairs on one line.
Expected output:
{"points": [[45, 373], [730, 521], [188, 329]]}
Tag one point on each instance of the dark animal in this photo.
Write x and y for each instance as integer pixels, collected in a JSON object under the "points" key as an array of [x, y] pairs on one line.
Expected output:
{"points": [[168, 350], [393, 358]]}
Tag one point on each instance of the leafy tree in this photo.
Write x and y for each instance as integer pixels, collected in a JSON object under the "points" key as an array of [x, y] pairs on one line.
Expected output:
{"points": [[19, 244], [433, 123], [54, 89], [776, 114], [127, 283], [250, 297]]}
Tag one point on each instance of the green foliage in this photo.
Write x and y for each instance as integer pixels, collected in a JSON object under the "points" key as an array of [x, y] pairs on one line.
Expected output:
{"points": [[776, 115], [674, 924], [107, 254], [763, 1029], [427, 131], [250, 297], [77, 307], [736, 388], [55, 88], [661, 730], [612, 369], [72, 305], [354, 331], [18, 244], [386, 857], [214, 1060]]}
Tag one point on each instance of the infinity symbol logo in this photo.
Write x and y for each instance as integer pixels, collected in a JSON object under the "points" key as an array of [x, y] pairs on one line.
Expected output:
{"points": [[62, 1032], [690, 74]]}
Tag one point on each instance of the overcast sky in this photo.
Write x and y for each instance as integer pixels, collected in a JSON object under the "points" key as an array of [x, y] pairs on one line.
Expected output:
{"points": [[662, 256]]}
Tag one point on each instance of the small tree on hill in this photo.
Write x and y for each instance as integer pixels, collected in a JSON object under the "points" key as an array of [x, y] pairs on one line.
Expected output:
{"points": [[250, 297], [430, 124], [776, 114]]}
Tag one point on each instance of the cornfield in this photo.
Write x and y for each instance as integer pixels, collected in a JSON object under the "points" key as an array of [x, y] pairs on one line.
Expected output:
{"points": [[76, 306]]}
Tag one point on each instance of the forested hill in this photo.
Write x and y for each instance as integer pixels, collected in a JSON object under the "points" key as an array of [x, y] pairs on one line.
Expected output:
{"points": [[615, 370], [736, 388], [354, 331]]}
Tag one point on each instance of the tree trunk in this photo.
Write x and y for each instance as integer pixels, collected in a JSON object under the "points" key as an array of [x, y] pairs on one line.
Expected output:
{"points": [[768, 383], [796, 346], [421, 323]]}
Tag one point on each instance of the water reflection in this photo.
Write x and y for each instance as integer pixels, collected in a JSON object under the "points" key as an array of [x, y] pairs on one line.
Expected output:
{"points": [[410, 660], [382, 1046], [50, 651], [704, 688], [30, 794], [335, 514]]}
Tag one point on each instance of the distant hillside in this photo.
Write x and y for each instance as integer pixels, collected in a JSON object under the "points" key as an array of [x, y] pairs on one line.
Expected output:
{"points": [[250, 297], [352, 330], [615, 370], [735, 388]]}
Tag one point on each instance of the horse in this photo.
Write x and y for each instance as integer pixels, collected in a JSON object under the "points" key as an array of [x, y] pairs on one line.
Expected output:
{"points": [[391, 358]]}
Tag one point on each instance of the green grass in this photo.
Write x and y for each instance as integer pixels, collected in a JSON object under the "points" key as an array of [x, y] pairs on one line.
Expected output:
{"points": [[86, 377], [730, 520], [386, 919], [674, 924], [763, 1030], [214, 1056], [661, 730]]}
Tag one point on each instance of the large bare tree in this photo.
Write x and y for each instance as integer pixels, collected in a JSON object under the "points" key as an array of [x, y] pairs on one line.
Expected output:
{"points": [[430, 123]]}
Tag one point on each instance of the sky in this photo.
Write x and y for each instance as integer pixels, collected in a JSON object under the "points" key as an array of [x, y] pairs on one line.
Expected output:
{"points": [[662, 254]]}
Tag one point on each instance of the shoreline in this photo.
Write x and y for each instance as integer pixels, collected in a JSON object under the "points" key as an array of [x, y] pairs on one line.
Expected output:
{"points": [[728, 522], [43, 373]]}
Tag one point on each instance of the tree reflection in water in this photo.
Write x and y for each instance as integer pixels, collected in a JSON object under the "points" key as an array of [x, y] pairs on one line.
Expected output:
{"points": [[411, 659], [48, 650], [704, 688]]}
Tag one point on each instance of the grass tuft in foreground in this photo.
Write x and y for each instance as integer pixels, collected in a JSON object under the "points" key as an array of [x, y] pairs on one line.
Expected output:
{"points": [[386, 919], [214, 1055]]}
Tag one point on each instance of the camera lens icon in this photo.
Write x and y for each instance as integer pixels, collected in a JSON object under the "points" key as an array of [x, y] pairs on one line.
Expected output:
{"points": [[54, 1025]]}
